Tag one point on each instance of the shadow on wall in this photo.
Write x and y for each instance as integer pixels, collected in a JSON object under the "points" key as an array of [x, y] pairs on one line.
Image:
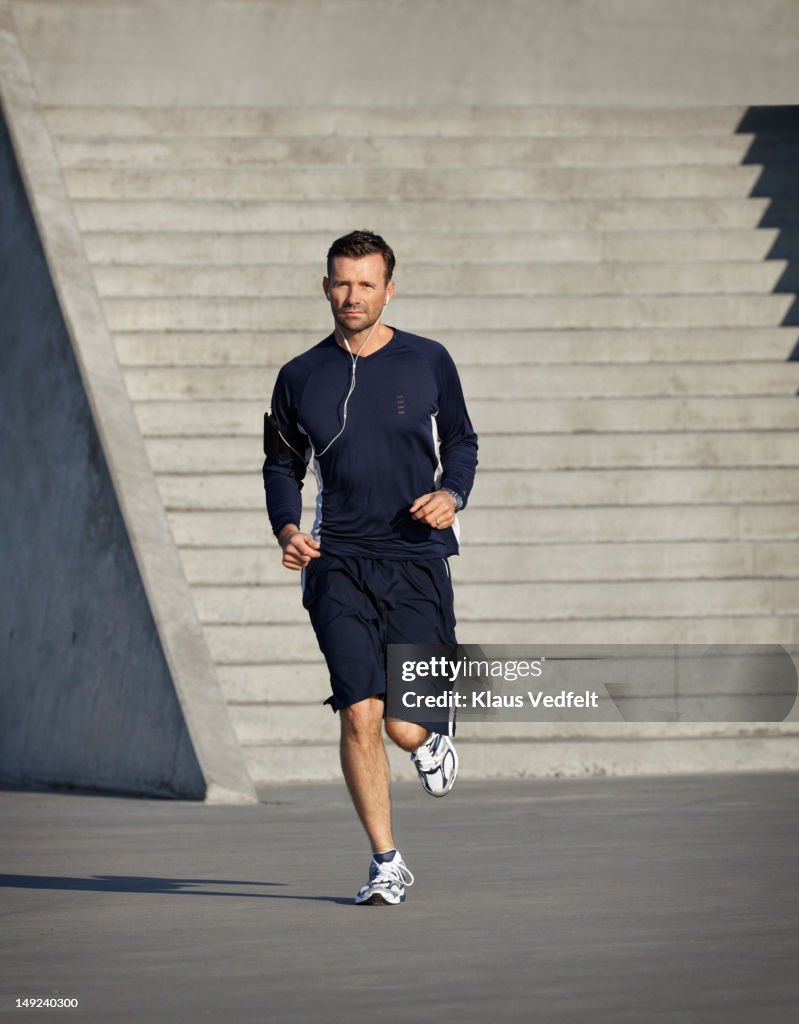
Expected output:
{"points": [[776, 149]]}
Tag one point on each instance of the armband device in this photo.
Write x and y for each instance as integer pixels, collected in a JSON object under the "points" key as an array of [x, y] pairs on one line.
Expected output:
{"points": [[277, 443]]}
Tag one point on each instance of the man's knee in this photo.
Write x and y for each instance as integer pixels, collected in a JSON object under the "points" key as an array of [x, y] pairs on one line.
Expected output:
{"points": [[361, 722], [407, 735]]}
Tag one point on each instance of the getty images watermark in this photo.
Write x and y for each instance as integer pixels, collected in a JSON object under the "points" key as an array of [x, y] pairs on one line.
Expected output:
{"points": [[454, 671], [433, 683]]}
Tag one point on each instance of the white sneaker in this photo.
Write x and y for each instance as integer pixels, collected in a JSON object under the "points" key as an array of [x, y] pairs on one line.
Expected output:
{"points": [[436, 763], [386, 883]]}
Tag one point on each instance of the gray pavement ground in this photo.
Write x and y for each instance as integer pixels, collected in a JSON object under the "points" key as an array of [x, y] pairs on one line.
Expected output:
{"points": [[603, 900]]}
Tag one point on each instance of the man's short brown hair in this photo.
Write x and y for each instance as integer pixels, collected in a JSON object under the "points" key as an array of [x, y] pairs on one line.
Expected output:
{"points": [[358, 244]]}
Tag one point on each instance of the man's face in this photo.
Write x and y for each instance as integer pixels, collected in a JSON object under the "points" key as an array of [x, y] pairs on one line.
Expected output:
{"points": [[358, 291]]}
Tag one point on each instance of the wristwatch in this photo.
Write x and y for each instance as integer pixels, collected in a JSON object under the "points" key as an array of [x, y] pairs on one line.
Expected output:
{"points": [[456, 496]]}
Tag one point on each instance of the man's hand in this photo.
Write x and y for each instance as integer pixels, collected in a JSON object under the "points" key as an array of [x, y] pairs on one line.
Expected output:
{"points": [[436, 509], [298, 547]]}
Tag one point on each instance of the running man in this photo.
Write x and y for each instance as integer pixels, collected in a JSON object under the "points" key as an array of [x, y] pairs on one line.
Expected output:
{"points": [[381, 414]]}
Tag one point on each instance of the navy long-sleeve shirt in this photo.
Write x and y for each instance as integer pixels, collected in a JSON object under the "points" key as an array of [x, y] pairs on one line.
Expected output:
{"points": [[407, 433]]}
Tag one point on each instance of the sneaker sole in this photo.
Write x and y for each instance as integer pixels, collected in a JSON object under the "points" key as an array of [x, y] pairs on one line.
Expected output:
{"points": [[379, 900]]}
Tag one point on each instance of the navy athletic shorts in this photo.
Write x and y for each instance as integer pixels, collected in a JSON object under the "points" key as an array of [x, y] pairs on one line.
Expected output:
{"points": [[358, 605]]}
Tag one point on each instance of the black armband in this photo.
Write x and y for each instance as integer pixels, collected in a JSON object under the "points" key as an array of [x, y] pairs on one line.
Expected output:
{"points": [[277, 444]]}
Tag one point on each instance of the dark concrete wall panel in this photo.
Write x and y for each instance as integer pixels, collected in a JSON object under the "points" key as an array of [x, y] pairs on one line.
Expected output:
{"points": [[86, 695]]}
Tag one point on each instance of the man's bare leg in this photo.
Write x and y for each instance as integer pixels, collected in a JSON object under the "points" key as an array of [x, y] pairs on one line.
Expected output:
{"points": [[366, 769], [407, 735]]}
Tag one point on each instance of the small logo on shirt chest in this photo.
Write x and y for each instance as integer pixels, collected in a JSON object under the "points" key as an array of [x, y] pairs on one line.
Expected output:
{"points": [[400, 405]]}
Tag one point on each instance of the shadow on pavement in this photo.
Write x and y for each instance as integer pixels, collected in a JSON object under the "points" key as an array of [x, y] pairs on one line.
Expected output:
{"points": [[151, 885]]}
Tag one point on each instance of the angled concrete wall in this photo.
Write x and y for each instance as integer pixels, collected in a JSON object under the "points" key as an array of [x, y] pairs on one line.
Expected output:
{"points": [[87, 697], [105, 677]]}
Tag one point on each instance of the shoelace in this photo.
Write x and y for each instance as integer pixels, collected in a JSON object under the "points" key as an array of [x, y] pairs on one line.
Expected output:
{"points": [[426, 758], [390, 871]]}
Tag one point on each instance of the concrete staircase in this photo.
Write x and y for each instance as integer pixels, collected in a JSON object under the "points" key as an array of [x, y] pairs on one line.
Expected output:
{"points": [[616, 287]]}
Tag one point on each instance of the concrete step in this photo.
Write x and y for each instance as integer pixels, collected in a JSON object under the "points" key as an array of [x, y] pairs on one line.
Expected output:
{"points": [[438, 314], [345, 181], [567, 758], [398, 119], [543, 415], [146, 248], [435, 215], [252, 644], [305, 683], [632, 416], [174, 151], [279, 723], [753, 518], [258, 725], [278, 683], [265, 280], [525, 451], [519, 602], [530, 561], [303, 721], [608, 487], [477, 347], [297, 762], [502, 383]]}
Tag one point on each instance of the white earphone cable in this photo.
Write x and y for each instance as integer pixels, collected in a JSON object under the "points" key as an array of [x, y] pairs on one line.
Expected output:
{"points": [[354, 358]]}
